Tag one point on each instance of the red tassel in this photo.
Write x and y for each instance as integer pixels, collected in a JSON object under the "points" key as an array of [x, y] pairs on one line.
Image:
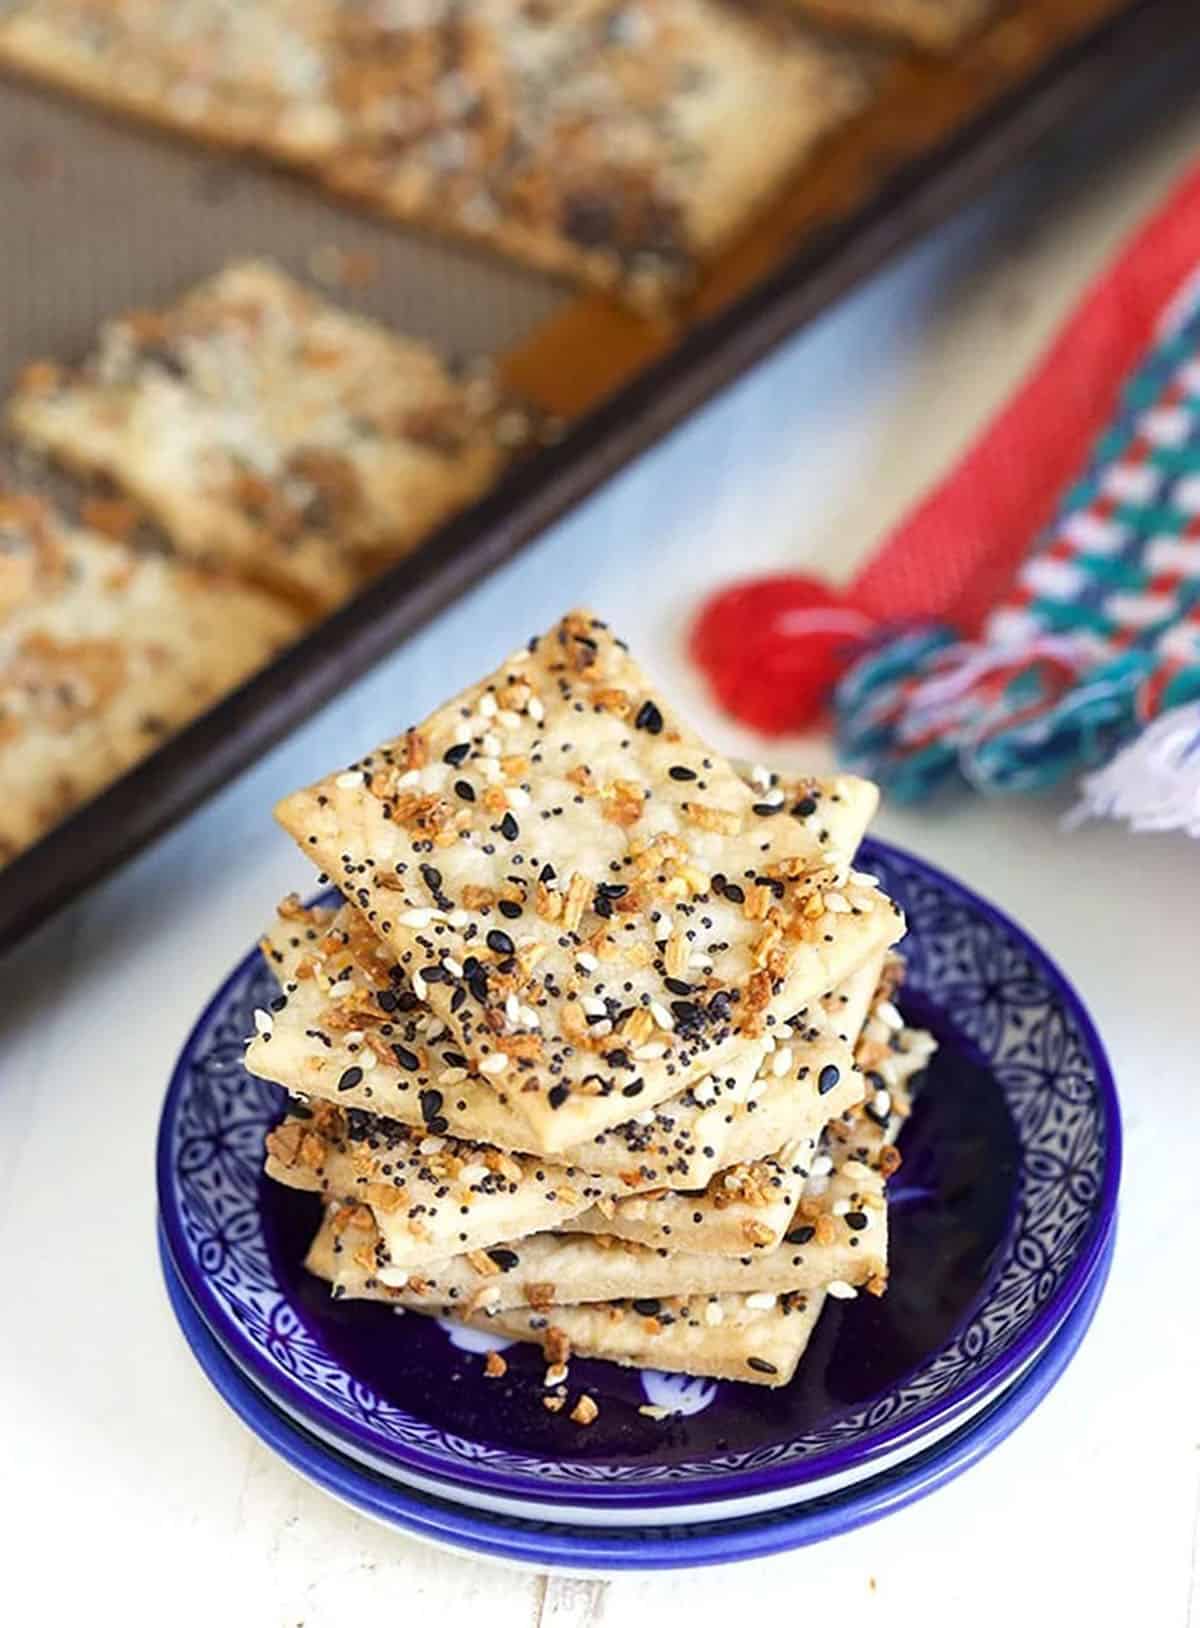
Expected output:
{"points": [[774, 647]]}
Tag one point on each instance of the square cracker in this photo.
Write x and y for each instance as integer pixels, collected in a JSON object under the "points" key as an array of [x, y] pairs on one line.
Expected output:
{"points": [[430, 1195], [593, 901], [103, 653], [333, 1038], [727, 1336], [610, 142], [269, 431]]}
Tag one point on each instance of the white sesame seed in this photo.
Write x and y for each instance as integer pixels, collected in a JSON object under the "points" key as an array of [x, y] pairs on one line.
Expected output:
{"points": [[518, 797], [487, 706], [841, 1207], [494, 1063], [453, 967], [489, 744], [888, 1014], [774, 797], [587, 961], [462, 733], [489, 768], [699, 961], [646, 1117], [512, 1008], [881, 1104], [837, 903], [864, 879], [263, 1021], [601, 1029], [821, 1165], [368, 1061], [410, 777], [352, 777], [841, 1291], [535, 709], [556, 1374], [415, 918], [705, 1091], [419, 986], [781, 1062], [593, 1006], [452, 1076], [651, 1050], [760, 775], [714, 1313], [661, 1016], [431, 1144], [507, 719], [530, 1018], [760, 1301], [458, 918], [471, 1173], [855, 1170], [783, 1031]]}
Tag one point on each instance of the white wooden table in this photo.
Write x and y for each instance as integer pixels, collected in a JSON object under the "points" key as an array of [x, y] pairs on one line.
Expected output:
{"points": [[128, 1492]]}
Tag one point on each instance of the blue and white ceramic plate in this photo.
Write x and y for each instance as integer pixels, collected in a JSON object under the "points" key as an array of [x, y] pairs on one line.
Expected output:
{"points": [[1000, 1216], [601, 1550]]}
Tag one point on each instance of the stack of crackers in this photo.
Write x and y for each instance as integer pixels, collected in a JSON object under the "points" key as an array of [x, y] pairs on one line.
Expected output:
{"points": [[600, 1050], [246, 457]]}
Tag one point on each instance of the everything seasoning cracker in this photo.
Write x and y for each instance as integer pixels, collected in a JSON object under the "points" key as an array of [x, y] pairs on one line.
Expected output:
{"points": [[596, 905]]}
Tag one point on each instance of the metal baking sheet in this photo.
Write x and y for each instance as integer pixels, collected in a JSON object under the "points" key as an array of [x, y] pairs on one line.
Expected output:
{"points": [[98, 215]]}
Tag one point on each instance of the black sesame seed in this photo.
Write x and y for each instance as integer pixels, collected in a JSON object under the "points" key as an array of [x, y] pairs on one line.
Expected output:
{"points": [[465, 790], [800, 1235], [547, 873], [768, 808], [509, 829], [761, 1365], [828, 1078], [505, 1259], [433, 878], [649, 718], [500, 942], [510, 908], [457, 755], [856, 1220], [734, 892], [351, 1078], [678, 771], [633, 1089], [805, 807], [647, 1308], [387, 999], [677, 986], [431, 1104], [557, 1095], [406, 1059]]}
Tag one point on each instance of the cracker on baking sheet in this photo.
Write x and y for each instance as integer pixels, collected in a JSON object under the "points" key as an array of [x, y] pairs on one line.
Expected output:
{"points": [[593, 901], [343, 1011], [842, 1235], [103, 653], [270, 432], [431, 1195], [934, 25], [614, 141], [725, 1336]]}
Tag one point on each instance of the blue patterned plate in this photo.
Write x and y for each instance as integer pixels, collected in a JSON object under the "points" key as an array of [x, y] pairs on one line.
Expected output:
{"points": [[1000, 1215], [601, 1550]]}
